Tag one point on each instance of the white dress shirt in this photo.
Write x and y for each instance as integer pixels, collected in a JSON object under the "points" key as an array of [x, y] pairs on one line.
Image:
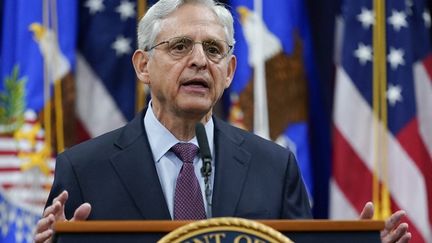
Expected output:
{"points": [[167, 164]]}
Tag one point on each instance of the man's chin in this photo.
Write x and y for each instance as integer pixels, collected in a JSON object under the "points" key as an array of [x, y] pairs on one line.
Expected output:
{"points": [[196, 110]]}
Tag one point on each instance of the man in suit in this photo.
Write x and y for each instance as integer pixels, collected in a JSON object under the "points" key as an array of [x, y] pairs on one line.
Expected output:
{"points": [[185, 56]]}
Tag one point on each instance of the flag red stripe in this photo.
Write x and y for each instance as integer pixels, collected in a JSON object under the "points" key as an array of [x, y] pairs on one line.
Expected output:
{"points": [[82, 133], [10, 169], [5, 152], [410, 140], [8, 153], [357, 187], [9, 186], [427, 63]]}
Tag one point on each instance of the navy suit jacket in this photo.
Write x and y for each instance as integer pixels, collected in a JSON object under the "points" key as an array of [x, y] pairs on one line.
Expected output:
{"points": [[116, 174]]}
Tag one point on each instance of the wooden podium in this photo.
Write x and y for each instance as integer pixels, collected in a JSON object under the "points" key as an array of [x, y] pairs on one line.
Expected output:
{"points": [[321, 231]]}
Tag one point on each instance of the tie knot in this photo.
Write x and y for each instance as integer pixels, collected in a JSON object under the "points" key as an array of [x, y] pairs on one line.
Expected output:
{"points": [[185, 151]]}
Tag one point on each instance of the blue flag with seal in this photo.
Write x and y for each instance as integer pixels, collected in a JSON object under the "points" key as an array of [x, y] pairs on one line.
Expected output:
{"points": [[274, 38], [37, 51]]}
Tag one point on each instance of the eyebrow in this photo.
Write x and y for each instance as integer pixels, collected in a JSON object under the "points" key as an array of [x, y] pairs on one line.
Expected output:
{"points": [[189, 37]]}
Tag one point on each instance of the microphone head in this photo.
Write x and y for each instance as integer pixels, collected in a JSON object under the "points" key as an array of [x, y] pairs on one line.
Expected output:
{"points": [[202, 140]]}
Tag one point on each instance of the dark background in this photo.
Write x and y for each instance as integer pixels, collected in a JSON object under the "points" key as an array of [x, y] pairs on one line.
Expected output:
{"points": [[322, 18]]}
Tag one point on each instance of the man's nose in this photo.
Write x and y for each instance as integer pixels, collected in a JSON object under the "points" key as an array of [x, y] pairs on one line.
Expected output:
{"points": [[198, 56]]}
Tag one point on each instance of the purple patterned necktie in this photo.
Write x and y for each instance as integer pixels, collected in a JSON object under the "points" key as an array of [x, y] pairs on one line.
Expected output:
{"points": [[188, 201]]}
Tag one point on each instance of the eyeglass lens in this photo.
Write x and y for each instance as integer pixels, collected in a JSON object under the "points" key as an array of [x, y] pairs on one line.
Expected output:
{"points": [[214, 49]]}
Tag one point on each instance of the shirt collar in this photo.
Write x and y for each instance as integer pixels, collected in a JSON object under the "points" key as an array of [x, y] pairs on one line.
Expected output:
{"points": [[161, 139]]}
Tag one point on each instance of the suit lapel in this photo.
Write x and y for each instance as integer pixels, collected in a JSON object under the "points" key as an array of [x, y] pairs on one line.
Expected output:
{"points": [[232, 163], [135, 166]]}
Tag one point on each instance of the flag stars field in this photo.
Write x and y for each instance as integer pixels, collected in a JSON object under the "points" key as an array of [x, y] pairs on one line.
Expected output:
{"points": [[427, 19], [122, 45], [126, 10], [394, 94], [19, 236], [366, 17], [398, 20], [363, 53], [3, 219], [395, 57], [95, 6]]}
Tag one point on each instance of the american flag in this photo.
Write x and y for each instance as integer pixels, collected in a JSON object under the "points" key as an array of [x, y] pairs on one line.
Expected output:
{"points": [[23, 191], [105, 91], [408, 133], [105, 79], [25, 185], [28, 43]]}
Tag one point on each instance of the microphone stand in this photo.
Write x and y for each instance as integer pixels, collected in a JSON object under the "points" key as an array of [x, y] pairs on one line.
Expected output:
{"points": [[206, 169]]}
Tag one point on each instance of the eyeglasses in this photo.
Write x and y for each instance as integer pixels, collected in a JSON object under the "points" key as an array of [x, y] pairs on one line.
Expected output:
{"points": [[179, 47]]}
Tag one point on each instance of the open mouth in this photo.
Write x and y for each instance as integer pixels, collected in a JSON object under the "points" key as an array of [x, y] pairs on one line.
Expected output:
{"points": [[198, 83]]}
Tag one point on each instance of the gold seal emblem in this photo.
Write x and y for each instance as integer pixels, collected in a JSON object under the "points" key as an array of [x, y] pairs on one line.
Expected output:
{"points": [[225, 229]]}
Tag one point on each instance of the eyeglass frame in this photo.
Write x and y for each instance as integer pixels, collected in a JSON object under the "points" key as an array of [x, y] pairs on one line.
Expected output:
{"points": [[230, 47]]}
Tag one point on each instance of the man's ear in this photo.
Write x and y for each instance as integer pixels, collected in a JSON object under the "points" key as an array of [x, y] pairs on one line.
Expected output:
{"points": [[140, 62], [232, 64]]}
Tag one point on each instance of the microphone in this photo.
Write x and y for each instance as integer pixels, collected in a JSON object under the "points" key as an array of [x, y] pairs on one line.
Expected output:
{"points": [[204, 149], [206, 157]]}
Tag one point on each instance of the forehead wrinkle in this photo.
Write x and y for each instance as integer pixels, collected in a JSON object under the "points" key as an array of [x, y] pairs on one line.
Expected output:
{"points": [[200, 28], [177, 24]]}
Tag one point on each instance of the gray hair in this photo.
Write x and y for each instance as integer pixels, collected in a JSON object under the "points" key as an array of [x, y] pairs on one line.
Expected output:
{"points": [[150, 25]]}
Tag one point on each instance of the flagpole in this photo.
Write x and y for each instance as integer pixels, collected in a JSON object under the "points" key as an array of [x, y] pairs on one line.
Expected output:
{"points": [[58, 97], [385, 194], [381, 195], [46, 93], [140, 99], [261, 124]]}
